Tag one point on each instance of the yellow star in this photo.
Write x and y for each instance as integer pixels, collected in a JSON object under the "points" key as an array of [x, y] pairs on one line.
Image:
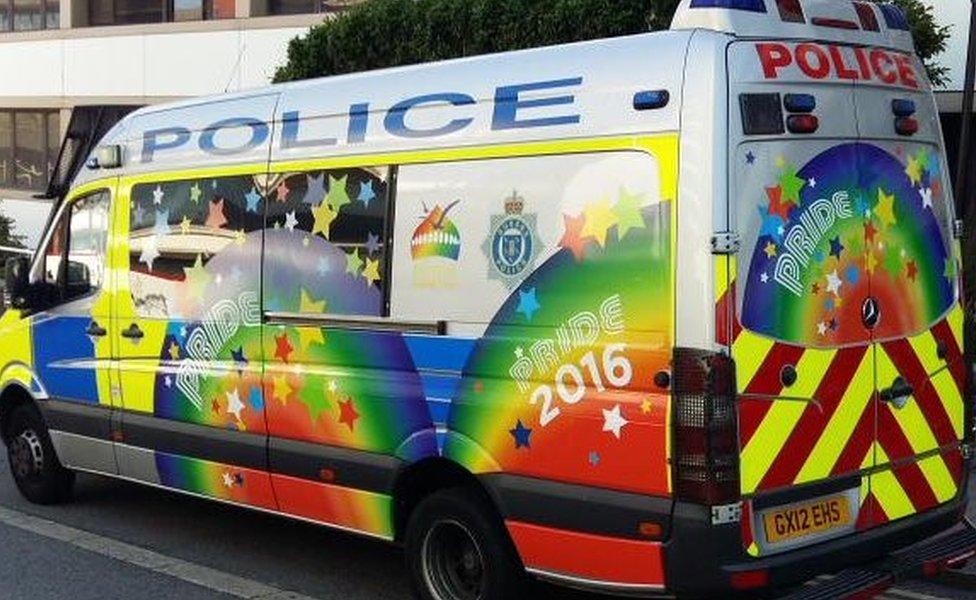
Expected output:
{"points": [[308, 335], [885, 208], [872, 262], [324, 216], [770, 249], [281, 389], [372, 270], [185, 225], [197, 278], [599, 219], [239, 237], [914, 170], [628, 212], [646, 407], [174, 351]]}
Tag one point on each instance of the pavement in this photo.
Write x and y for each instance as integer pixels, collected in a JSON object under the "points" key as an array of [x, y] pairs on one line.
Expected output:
{"points": [[120, 540]]}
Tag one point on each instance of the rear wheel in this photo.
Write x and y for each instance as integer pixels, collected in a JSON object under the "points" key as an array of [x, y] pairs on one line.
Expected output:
{"points": [[457, 549], [38, 473]]}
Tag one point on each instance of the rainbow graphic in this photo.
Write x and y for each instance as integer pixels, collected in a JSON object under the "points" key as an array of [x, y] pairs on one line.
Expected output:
{"points": [[854, 222], [437, 235], [226, 482]]}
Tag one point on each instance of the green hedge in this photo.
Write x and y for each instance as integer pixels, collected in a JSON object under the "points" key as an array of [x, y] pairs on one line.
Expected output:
{"points": [[385, 33]]}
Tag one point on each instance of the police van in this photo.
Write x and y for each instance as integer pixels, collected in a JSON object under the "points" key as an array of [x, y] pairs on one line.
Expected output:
{"points": [[676, 313]]}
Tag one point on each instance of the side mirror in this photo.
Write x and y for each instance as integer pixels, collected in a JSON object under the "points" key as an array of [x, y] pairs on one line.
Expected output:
{"points": [[16, 281]]}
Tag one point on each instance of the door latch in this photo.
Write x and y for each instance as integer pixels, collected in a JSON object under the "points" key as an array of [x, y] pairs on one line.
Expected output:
{"points": [[898, 394]]}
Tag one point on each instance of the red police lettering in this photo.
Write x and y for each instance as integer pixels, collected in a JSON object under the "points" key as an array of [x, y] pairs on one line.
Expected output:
{"points": [[884, 66], [774, 57], [863, 63], [822, 69], [843, 71], [906, 71]]}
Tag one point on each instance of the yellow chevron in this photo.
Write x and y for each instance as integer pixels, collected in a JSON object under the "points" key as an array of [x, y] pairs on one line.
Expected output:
{"points": [[945, 386], [940, 479], [841, 425], [910, 417], [888, 491], [722, 278], [779, 422], [750, 351], [956, 319]]}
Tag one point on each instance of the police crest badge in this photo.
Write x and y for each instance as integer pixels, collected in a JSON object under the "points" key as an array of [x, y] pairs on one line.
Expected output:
{"points": [[513, 243]]}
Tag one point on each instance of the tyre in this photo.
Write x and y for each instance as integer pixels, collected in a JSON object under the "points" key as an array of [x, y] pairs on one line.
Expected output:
{"points": [[36, 470], [457, 549]]}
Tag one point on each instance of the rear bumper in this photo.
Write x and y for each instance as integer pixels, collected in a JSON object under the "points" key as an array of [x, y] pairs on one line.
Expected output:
{"points": [[703, 560]]}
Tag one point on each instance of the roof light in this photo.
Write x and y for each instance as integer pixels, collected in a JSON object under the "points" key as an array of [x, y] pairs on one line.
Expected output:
{"points": [[651, 99], [790, 11], [799, 103], [906, 126], [835, 23], [869, 20], [902, 107], [750, 5], [804, 124], [894, 17]]}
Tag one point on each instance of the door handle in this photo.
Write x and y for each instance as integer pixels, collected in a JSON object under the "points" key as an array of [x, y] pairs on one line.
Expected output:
{"points": [[96, 330], [133, 332], [898, 393]]}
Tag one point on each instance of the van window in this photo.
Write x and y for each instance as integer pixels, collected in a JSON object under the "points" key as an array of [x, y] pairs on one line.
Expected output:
{"points": [[326, 242], [193, 243], [84, 230], [468, 233]]}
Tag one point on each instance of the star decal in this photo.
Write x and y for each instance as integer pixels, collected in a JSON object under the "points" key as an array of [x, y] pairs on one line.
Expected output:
{"points": [[836, 247], [600, 217], [573, 238], [869, 231], [613, 421], [372, 244], [764, 277], [185, 225], [240, 237], [215, 217], [348, 414], [912, 267], [770, 250], [870, 263], [594, 458], [281, 192], [253, 199], [772, 224], [197, 278], [281, 389], [308, 335], [290, 221], [853, 274], [791, 185], [150, 251], [158, 195], [353, 263], [833, 283], [646, 407], [776, 204], [520, 433], [256, 398], [885, 208], [228, 480], [239, 359], [528, 304], [822, 328], [926, 195], [234, 404], [324, 216], [283, 347], [337, 196], [174, 350], [366, 192], [372, 271], [812, 182], [750, 158], [315, 190], [914, 171], [628, 212], [161, 226], [323, 266]]}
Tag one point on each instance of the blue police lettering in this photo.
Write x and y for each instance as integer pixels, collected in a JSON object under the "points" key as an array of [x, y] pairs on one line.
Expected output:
{"points": [[259, 133], [151, 143], [395, 121], [290, 122], [508, 104]]}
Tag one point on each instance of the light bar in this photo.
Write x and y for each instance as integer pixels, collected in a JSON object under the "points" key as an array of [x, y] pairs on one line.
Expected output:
{"points": [[903, 108], [790, 11], [869, 20], [750, 5], [799, 103], [894, 17]]}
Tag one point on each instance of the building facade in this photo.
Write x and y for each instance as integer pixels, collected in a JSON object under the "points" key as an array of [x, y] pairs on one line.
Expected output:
{"points": [[58, 54]]}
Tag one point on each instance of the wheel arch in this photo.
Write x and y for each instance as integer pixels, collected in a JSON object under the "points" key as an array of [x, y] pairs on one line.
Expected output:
{"points": [[12, 396]]}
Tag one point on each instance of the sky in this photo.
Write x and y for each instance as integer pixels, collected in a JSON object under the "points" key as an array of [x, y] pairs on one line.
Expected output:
{"points": [[29, 217], [956, 14]]}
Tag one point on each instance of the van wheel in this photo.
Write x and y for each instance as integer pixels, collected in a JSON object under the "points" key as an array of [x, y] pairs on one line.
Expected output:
{"points": [[457, 549], [38, 473]]}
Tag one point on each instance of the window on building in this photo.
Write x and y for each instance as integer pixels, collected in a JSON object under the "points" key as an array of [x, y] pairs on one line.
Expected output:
{"points": [[29, 15], [29, 144], [300, 7], [6, 150], [129, 12]]}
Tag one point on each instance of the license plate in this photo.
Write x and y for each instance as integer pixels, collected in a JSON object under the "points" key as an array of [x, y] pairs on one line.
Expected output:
{"points": [[801, 520]]}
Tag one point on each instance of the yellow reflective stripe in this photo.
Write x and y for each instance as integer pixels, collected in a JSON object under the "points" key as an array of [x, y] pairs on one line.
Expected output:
{"points": [[956, 319], [926, 349], [940, 479], [776, 427], [910, 418], [721, 264], [888, 491], [750, 351], [945, 386], [841, 426]]}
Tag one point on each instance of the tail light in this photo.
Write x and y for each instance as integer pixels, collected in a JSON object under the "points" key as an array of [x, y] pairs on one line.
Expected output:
{"points": [[705, 443], [790, 11]]}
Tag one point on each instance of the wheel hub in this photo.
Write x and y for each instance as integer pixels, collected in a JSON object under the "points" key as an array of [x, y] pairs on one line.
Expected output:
{"points": [[27, 454], [453, 565]]}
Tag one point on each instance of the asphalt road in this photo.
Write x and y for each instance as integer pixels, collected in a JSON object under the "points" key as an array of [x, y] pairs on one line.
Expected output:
{"points": [[119, 540]]}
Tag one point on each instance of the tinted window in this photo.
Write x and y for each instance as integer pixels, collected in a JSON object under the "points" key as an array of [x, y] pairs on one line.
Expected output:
{"points": [[326, 237], [193, 243], [83, 228]]}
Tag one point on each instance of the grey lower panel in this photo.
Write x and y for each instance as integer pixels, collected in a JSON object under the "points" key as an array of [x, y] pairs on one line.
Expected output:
{"points": [[137, 463], [80, 452]]}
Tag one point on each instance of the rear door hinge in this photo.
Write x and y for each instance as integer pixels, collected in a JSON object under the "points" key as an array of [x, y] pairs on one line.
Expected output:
{"points": [[958, 228], [726, 242]]}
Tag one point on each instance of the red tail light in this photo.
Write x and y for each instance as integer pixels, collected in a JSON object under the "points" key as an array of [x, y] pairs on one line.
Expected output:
{"points": [[705, 442], [869, 20]]}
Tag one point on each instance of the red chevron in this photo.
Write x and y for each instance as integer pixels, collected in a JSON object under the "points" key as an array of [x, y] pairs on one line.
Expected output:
{"points": [[852, 456], [724, 314], [765, 383], [910, 476], [907, 363], [942, 332]]}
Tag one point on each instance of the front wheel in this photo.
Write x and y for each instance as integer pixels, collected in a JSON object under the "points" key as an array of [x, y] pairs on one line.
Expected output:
{"points": [[457, 549], [38, 473]]}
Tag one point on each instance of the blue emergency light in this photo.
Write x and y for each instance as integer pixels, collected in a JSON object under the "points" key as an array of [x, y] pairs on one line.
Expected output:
{"points": [[894, 16], [758, 6]]}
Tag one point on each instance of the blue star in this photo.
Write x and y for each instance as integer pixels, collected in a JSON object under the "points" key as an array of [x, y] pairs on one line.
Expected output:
{"points": [[239, 479], [836, 247], [521, 434], [860, 207], [239, 359], [594, 458], [324, 266], [162, 223], [253, 199], [372, 243], [528, 304], [256, 398], [819, 256], [315, 192], [750, 158], [829, 304], [771, 224], [853, 274], [366, 193]]}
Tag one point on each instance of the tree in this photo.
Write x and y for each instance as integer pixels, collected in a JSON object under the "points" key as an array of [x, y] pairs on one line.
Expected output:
{"points": [[387, 33], [8, 238]]}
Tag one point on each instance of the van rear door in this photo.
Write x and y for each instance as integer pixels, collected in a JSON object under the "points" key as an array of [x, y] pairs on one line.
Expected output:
{"points": [[920, 371], [805, 365]]}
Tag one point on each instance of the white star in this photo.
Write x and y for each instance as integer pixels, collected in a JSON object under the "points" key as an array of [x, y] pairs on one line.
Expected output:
{"points": [[781, 230], [150, 251], [234, 404], [764, 277], [822, 328], [228, 480], [926, 194], [613, 421], [813, 182], [183, 331], [158, 195], [333, 386], [833, 283], [168, 381], [290, 221]]}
